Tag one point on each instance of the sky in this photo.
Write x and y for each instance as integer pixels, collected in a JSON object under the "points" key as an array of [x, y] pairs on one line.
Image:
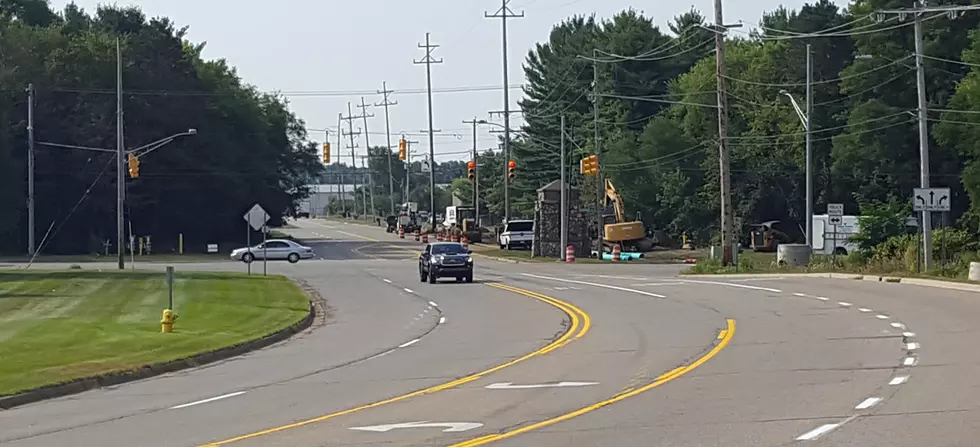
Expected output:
{"points": [[324, 54]]}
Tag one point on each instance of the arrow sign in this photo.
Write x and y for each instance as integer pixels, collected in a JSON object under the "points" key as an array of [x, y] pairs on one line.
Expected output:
{"points": [[511, 386], [931, 199], [450, 427]]}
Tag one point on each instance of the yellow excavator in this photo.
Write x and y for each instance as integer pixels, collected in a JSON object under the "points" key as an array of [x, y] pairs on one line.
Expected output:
{"points": [[630, 235]]}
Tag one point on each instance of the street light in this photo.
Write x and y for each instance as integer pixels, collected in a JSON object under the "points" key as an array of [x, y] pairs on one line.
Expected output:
{"points": [[809, 168]]}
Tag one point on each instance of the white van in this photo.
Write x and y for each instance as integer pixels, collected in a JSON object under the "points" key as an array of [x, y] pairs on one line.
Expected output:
{"points": [[829, 238]]}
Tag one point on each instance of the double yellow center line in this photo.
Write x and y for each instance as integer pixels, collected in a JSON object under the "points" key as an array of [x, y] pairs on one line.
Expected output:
{"points": [[580, 324], [724, 336]]}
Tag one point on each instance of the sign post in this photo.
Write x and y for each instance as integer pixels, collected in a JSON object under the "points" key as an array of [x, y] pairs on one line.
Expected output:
{"points": [[170, 286], [256, 218], [926, 201], [835, 216]]}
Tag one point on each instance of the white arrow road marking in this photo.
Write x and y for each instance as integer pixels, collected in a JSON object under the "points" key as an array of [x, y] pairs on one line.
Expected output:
{"points": [[511, 386], [451, 427]]}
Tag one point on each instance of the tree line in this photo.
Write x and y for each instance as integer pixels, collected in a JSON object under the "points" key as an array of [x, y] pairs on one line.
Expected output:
{"points": [[658, 118], [249, 148]]}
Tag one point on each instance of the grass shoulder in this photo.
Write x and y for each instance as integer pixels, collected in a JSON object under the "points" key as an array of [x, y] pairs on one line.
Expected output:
{"points": [[63, 325]]}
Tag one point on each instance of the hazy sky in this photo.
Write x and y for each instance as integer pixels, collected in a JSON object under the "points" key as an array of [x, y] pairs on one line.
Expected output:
{"points": [[331, 52]]}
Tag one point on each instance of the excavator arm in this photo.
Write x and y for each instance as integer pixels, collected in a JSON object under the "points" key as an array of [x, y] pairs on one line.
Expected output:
{"points": [[613, 196]]}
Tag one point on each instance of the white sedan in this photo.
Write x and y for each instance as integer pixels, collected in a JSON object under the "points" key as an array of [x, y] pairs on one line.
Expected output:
{"points": [[273, 249]]}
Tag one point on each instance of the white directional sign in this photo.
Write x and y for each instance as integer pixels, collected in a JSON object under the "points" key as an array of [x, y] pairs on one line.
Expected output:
{"points": [[426, 165], [834, 212], [256, 217], [511, 386], [930, 199], [835, 209], [450, 427]]}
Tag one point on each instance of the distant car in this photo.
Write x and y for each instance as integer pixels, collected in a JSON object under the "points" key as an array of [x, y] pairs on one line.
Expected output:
{"points": [[445, 259], [275, 249]]}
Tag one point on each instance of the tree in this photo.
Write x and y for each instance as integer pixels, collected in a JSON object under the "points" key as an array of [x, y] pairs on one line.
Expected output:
{"points": [[249, 149]]}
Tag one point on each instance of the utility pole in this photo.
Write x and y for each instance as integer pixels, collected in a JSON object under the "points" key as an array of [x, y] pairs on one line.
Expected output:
{"points": [[120, 160], [428, 61], [367, 144], [920, 81], [340, 184], [391, 175], [503, 14], [952, 12], [364, 162], [809, 146], [727, 239], [353, 157], [476, 171], [30, 170], [564, 194], [599, 187], [408, 166]]}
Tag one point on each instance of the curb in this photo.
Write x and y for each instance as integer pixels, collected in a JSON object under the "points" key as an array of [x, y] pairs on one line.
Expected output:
{"points": [[965, 287], [82, 384]]}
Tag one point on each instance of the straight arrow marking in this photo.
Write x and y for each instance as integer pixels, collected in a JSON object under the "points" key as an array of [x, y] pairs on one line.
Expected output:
{"points": [[511, 386]]}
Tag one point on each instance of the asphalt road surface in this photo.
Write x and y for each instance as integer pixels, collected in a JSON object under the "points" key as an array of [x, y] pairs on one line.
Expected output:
{"points": [[558, 355]]}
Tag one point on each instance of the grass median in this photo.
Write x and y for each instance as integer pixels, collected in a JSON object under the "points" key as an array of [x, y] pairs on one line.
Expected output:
{"points": [[59, 326]]}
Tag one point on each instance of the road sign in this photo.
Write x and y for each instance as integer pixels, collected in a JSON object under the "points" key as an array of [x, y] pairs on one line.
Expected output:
{"points": [[835, 209], [511, 386], [450, 427], [426, 165], [256, 217], [930, 199]]}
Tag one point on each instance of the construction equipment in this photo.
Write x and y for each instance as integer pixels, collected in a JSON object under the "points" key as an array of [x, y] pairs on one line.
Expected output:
{"points": [[464, 219], [631, 235], [766, 238]]}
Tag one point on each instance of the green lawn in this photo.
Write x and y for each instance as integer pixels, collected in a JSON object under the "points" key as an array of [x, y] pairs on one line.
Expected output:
{"points": [[57, 326]]}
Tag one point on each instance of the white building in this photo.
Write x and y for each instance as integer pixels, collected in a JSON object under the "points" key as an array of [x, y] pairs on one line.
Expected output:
{"points": [[321, 195]]}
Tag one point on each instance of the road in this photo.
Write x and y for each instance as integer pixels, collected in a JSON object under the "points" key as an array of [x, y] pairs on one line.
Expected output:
{"points": [[553, 354]]}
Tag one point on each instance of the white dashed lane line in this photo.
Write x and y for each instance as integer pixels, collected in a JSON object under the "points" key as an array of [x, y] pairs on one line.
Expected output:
{"points": [[912, 346], [815, 433], [442, 320], [898, 380], [844, 304], [868, 403], [204, 401], [408, 343], [909, 361], [386, 280], [433, 304], [865, 310], [882, 317]]}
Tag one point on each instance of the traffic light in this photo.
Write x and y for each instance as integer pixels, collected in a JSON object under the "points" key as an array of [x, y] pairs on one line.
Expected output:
{"points": [[326, 153], [511, 165], [471, 170], [402, 149], [134, 166], [589, 165]]}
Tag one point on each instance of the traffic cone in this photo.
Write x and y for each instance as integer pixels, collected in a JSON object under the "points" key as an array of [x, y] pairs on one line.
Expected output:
{"points": [[570, 254]]}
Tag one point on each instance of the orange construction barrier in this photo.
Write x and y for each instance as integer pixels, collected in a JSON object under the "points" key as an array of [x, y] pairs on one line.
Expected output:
{"points": [[616, 253], [465, 241], [570, 254], [425, 238]]}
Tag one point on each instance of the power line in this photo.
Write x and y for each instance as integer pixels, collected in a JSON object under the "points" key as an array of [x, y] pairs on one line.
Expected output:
{"points": [[825, 81], [286, 93]]}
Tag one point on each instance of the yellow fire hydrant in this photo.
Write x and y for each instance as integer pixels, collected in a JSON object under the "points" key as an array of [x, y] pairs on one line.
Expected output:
{"points": [[167, 322]]}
